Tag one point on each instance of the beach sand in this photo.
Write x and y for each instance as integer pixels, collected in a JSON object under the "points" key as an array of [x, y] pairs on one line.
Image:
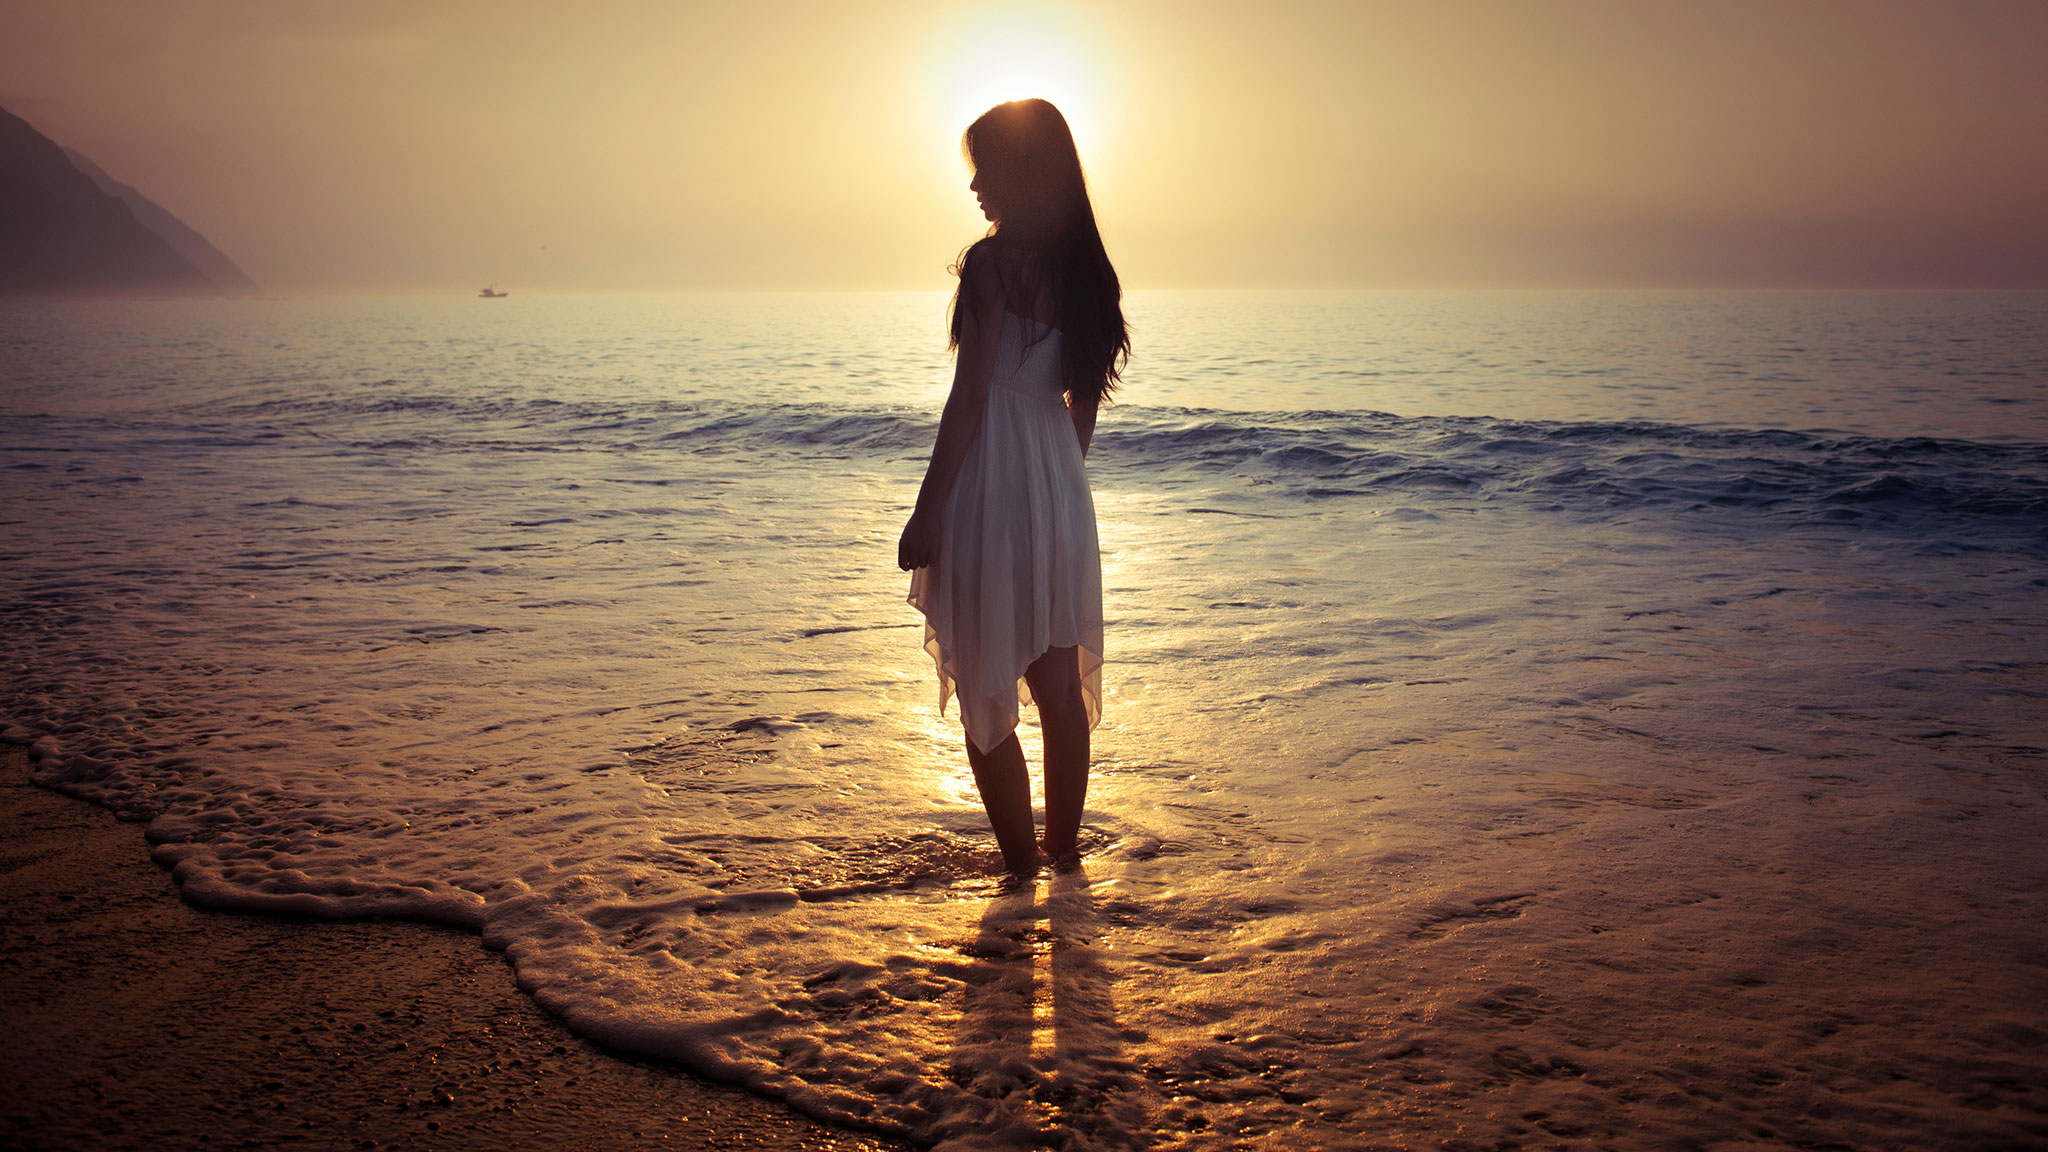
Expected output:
{"points": [[134, 1020]]}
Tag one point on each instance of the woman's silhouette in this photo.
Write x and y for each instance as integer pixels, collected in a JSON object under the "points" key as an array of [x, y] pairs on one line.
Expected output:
{"points": [[1003, 539]]}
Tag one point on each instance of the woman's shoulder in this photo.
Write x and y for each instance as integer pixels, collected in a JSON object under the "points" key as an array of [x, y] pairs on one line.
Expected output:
{"points": [[989, 256], [999, 253], [980, 256], [1006, 271], [982, 268]]}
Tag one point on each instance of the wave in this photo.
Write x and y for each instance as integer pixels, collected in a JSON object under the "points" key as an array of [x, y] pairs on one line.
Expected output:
{"points": [[1610, 468], [1904, 487]]}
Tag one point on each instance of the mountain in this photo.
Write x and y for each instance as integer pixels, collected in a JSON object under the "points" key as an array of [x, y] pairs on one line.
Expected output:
{"points": [[196, 249], [59, 232]]}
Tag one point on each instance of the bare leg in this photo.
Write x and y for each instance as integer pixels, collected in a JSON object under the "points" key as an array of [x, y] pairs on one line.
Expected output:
{"points": [[1055, 680], [1006, 793]]}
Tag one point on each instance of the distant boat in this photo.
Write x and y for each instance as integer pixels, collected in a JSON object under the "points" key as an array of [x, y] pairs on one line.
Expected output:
{"points": [[492, 293]]}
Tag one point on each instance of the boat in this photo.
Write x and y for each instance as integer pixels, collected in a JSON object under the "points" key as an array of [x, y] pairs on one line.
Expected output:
{"points": [[492, 293]]}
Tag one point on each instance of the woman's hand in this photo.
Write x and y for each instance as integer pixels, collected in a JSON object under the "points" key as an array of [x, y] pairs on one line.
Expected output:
{"points": [[919, 545]]}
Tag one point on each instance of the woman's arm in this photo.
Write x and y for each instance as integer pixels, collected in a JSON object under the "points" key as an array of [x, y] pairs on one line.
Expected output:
{"points": [[980, 327], [1083, 415]]}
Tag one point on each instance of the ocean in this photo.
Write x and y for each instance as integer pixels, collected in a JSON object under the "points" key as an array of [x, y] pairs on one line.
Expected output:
{"points": [[1612, 717]]}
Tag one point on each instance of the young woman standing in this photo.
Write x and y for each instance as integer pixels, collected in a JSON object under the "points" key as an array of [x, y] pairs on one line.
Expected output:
{"points": [[1002, 544]]}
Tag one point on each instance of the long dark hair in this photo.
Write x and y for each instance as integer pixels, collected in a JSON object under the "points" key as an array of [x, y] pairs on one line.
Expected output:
{"points": [[1047, 238]]}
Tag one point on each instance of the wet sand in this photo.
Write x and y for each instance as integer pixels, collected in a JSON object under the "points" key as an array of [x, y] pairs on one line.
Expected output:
{"points": [[134, 1020]]}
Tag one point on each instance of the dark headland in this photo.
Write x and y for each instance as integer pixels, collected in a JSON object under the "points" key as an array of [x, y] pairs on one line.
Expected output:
{"points": [[66, 226]]}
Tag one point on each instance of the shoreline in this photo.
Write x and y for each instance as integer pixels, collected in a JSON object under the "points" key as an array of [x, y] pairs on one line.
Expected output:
{"points": [[140, 1021]]}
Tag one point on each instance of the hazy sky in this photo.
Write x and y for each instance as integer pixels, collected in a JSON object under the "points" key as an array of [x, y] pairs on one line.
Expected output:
{"points": [[612, 144]]}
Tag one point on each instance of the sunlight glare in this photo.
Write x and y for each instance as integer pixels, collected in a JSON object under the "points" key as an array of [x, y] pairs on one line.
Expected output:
{"points": [[1009, 54]]}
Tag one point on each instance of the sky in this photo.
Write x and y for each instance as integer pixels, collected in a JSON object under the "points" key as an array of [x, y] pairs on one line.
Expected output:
{"points": [[634, 145]]}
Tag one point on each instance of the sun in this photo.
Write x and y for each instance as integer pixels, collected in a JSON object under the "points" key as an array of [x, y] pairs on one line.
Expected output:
{"points": [[1005, 53]]}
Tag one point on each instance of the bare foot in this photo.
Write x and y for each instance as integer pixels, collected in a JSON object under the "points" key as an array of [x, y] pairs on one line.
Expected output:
{"points": [[1067, 861]]}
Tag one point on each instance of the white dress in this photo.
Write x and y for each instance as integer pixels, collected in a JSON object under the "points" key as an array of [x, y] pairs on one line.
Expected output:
{"points": [[1017, 570]]}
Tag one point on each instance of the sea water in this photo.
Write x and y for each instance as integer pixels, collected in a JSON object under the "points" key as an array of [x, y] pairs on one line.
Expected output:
{"points": [[1530, 717]]}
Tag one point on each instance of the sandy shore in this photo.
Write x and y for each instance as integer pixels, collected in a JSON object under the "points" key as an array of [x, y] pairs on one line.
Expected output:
{"points": [[134, 1020]]}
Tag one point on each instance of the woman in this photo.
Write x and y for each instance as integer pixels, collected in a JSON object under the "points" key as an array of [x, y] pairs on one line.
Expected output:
{"points": [[1003, 538]]}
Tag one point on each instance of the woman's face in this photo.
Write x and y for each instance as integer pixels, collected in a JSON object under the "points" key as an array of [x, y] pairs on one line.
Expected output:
{"points": [[985, 196]]}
